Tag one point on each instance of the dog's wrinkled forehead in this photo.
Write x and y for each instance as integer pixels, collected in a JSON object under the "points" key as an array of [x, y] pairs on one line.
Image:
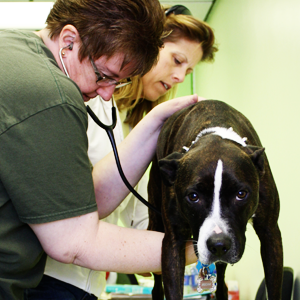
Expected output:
{"points": [[198, 163]]}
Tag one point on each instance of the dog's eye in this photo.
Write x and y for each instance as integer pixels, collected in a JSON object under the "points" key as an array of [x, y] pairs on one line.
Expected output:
{"points": [[241, 195], [193, 197]]}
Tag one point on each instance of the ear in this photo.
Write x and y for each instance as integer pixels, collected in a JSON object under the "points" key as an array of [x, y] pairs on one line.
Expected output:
{"points": [[258, 158], [168, 167], [68, 35]]}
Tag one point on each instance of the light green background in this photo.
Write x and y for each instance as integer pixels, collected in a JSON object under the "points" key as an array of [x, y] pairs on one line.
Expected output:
{"points": [[257, 71]]}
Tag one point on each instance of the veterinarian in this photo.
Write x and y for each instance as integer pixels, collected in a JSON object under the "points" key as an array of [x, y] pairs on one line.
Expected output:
{"points": [[49, 198], [190, 41]]}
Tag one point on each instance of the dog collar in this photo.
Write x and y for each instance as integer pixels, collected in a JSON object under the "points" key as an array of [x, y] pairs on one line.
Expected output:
{"points": [[224, 133]]}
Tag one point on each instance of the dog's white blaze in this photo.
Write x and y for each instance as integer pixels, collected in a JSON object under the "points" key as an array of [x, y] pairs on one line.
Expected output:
{"points": [[217, 188], [213, 222]]}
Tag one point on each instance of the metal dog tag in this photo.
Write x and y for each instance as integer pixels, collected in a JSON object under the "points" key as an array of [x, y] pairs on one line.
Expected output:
{"points": [[206, 280]]}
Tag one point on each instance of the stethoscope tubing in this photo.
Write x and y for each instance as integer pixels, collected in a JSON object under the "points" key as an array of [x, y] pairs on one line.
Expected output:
{"points": [[109, 131]]}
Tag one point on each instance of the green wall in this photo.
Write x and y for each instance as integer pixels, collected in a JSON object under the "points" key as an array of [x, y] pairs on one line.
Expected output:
{"points": [[257, 71], [185, 88]]}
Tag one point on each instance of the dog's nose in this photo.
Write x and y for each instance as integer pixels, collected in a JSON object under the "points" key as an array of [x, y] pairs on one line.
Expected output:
{"points": [[219, 244]]}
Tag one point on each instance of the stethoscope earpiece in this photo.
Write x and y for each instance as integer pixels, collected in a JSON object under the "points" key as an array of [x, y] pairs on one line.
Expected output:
{"points": [[109, 131], [61, 53], [71, 46]]}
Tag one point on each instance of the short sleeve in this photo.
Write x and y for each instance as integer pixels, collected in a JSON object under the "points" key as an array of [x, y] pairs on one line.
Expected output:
{"points": [[44, 165]]}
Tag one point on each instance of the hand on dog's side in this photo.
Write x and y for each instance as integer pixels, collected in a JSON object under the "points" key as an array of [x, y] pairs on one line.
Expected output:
{"points": [[201, 99], [168, 108]]}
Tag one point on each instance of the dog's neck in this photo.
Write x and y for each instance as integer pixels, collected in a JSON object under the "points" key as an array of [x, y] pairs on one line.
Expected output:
{"points": [[224, 133]]}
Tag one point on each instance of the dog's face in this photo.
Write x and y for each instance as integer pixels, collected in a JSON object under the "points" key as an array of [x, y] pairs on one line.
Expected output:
{"points": [[217, 191]]}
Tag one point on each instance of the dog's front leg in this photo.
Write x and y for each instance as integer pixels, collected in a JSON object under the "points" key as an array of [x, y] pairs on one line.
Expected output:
{"points": [[158, 290], [222, 290], [173, 265], [272, 258]]}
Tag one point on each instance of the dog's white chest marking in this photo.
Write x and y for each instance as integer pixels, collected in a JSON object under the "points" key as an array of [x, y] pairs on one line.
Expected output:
{"points": [[214, 222]]}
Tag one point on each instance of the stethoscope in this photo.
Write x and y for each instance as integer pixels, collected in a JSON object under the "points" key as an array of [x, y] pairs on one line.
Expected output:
{"points": [[109, 131], [176, 9]]}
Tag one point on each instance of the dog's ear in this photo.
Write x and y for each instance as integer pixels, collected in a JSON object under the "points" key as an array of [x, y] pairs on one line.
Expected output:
{"points": [[168, 167], [258, 158]]}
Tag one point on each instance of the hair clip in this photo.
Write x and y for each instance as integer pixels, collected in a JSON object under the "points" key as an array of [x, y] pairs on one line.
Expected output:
{"points": [[178, 10]]}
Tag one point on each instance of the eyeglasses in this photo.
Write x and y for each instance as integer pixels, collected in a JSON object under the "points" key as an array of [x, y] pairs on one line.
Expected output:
{"points": [[104, 80]]}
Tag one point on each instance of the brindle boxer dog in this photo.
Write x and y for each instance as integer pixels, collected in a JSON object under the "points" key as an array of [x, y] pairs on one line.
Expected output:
{"points": [[210, 177]]}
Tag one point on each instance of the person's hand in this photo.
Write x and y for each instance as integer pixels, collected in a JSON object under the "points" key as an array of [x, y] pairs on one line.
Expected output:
{"points": [[155, 119], [164, 110], [201, 99], [140, 144]]}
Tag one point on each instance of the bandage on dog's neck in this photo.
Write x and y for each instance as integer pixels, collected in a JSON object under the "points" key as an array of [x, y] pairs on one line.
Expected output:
{"points": [[224, 133]]}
